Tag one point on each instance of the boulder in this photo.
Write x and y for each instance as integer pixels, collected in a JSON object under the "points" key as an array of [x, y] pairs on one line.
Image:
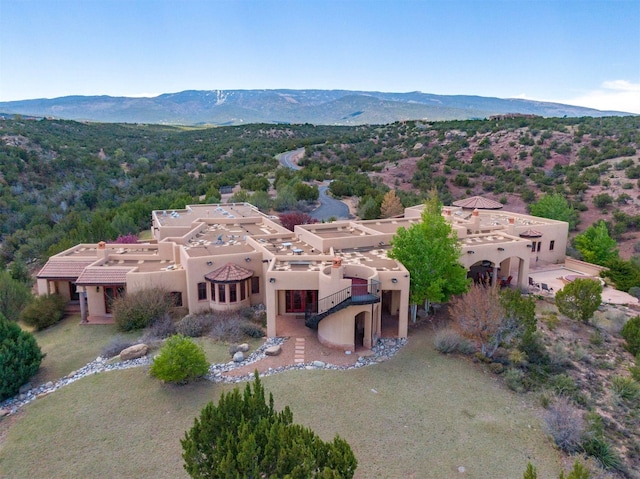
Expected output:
{"points": [[4, 412], [24, 388], [134, 352], [273, 350], [319, 364], [238, 357], [244, 347]]}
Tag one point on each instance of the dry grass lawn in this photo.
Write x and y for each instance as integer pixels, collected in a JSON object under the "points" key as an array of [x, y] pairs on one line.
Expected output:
{"points": [[419, 415]]}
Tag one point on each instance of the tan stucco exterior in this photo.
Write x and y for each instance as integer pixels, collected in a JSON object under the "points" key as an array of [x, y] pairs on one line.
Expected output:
{"points": [[295, 274]]}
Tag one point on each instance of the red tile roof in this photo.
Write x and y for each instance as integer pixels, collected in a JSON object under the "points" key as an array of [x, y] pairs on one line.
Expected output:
{"points": [[479, 202], [101, 275], [531, 234], [63, 269], [229, 273]]}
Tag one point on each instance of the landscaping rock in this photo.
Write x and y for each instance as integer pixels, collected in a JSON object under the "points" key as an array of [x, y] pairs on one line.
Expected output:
{"points": [[319, 364], [24, 388], [238, 357], [273, 350], [134, 352], [244, 347], [4, 412]]}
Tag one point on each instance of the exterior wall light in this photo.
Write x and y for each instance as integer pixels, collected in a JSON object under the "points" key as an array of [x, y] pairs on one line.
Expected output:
{"points": [[500, 249], [272, 280], [471, 252], [247, 259], [394, 280]]}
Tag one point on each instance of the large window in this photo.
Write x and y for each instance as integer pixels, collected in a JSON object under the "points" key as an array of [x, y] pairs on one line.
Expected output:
{"points": [[243, 290], [213, 291], [202, 291], [552, 244], [233, 293], [222, 298]]}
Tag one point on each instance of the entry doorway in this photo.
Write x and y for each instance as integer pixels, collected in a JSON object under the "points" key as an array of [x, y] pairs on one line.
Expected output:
{"points": [[297, 301], [110, 295], [359, 329]]}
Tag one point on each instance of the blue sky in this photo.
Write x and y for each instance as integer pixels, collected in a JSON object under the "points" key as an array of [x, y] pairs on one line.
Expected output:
{"points": [[583, 52]]}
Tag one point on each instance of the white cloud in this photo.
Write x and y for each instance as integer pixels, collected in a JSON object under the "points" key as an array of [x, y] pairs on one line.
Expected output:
{"points": [[618, 95]]}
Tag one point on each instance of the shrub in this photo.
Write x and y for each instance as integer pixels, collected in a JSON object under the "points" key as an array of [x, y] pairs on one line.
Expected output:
{"points": [[160, 328], [251, 330], [243, 436], [230, 327], [179, 361], [116, 346], [138, 310], [563, 384], [449, 341], [513, 378], [631, 334], [626, 387], [600, 449], [44, 311], [565, 424], [579, 299], [634, 291], [14, 296], [194, 325], [20, 357], [496, 368]]}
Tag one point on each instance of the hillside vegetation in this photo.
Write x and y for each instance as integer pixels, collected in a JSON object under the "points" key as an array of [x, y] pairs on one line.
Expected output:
{"points": [[64, 182]]}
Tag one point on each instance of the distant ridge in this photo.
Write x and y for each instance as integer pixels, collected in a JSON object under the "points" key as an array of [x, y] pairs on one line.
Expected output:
{"points": [[320, 107]]}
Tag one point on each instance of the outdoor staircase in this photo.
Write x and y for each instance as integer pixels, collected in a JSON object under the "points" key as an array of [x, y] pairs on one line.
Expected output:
{"points": [[356, 294]]}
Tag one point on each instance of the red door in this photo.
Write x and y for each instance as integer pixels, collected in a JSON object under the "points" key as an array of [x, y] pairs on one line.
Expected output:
{"points": [[359, 287], [297, 300]]}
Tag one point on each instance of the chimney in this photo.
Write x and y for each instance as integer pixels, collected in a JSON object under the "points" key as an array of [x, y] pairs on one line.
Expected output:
{"points": [[475, 221], [336, 268], [102, 250], [511, 229]]}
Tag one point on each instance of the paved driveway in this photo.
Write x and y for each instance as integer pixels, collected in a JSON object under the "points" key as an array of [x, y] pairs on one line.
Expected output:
{"points": [[329, 207]]}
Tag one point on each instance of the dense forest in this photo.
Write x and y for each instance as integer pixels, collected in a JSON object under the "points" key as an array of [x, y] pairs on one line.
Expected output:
{"points": [[65, 182]]}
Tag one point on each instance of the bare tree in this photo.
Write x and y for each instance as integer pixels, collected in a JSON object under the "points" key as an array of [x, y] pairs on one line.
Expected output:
{"points": [[479, 316]]}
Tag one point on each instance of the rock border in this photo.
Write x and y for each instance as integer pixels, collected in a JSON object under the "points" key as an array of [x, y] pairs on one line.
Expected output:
{"points": [[384, 349]]}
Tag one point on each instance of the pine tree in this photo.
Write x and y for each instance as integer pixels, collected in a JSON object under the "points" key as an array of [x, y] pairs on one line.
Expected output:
{"points": [[20, 357], [391, 205], [244, 437]]}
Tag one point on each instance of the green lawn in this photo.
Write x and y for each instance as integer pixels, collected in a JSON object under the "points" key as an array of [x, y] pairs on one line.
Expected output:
{"points": [[419, 415], [70, 345]]}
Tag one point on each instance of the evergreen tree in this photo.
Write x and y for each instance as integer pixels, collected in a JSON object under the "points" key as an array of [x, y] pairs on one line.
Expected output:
{"points": [[391, 205], [244, 437], [579, 299], [20, 357]]}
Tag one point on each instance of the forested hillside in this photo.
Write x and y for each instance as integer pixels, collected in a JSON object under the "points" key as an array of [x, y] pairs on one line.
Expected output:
{"points": [[63, 182]]}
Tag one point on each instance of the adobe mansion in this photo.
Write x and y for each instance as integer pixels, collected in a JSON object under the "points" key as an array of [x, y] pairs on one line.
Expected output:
{"points": [[333, 277]]}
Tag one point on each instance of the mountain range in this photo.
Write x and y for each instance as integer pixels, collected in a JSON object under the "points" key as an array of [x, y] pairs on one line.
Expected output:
{"points": [[320, 107]]}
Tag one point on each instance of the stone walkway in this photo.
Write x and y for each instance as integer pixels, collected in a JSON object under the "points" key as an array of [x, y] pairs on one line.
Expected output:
{"points": [[296, 354]]}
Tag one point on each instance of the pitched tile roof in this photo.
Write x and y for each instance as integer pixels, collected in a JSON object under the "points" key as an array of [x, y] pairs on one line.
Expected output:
{"points": [[530, 234], [229, 273], [101, 275], [63, 269], [479, 202]]}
